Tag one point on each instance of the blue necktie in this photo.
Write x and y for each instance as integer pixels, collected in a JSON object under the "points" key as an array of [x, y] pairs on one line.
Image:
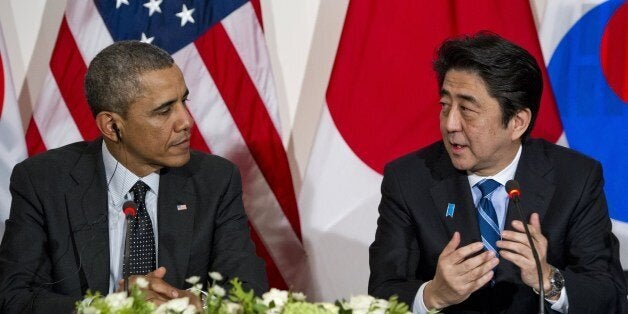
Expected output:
{"points": [[487, 217]]}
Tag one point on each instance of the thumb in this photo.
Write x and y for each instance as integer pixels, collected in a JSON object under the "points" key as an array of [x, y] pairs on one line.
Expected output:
{"points": [[535, 221], [159, 272], [452, 245]]}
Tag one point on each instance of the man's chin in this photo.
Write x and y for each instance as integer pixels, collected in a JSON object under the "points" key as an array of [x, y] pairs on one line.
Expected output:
{"points": [[460, 163], [178, 161]]}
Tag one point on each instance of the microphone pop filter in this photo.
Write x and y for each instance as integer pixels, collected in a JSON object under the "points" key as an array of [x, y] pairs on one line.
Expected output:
{"points": [[129, 208], [512, 187]]}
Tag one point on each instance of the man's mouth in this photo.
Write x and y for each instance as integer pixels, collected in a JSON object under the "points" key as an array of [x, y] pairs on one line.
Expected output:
{"points": [[182, 142], [456, 147]]}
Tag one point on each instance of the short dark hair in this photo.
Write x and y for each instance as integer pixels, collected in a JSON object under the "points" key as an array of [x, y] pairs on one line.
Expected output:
{"points": [[511, 73], [113, 82]]}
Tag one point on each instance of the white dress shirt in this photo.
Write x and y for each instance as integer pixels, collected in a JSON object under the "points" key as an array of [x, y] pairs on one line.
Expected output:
{"points": [[119, 183], [500, 202]]}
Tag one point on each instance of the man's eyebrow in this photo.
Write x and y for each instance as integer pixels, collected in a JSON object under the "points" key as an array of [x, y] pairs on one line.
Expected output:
{"points": [[469, 98]]}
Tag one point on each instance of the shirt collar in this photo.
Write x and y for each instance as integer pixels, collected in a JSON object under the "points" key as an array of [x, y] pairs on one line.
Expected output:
{"points": [[120, 180], [503, 176]]}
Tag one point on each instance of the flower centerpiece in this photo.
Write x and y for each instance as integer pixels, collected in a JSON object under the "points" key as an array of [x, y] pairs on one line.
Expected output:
{"points": [[216, 300]]}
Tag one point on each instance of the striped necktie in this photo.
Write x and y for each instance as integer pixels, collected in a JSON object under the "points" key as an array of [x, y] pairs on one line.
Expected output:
{"points": [[487, 217]]}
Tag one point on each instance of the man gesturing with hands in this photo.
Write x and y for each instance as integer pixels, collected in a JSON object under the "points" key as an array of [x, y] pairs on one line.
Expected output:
{"points": [[447, 238]]}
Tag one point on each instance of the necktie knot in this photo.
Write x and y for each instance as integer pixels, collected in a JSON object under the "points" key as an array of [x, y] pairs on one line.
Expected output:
{"points": [[487, 186], [139, 191]]}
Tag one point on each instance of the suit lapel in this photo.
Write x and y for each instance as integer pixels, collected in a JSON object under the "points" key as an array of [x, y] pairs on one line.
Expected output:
{"points": [[87, 210], [454, 189], [536, 194], [175, 224], [536, 190]]}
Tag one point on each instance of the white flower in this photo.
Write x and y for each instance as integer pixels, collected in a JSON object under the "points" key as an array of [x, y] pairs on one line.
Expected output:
{"points": [[329, 307], [279, 297], [86, 302], [298, 296], [118, 301], [217, 290], [191, 309], [179, 305], [141, 282], [360, 303], [196, 289], [215, 275], [193, 280], [380, 306], [275, 310], [90, 310], [233, 308]]}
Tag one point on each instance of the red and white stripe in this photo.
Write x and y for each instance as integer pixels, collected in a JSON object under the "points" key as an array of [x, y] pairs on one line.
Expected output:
{"points": [[12, 144], [232, 99]]}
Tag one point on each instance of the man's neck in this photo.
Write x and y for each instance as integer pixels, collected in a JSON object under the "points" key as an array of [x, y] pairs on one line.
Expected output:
{"points": [[119, 152]]}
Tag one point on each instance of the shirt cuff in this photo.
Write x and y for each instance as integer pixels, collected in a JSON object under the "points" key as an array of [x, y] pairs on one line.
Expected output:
{"points": [[562, 304], [418, 307]]}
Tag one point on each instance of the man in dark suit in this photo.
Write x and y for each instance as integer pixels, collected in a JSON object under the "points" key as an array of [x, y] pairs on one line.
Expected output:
{"points": [[65, 233], [448, 238]]}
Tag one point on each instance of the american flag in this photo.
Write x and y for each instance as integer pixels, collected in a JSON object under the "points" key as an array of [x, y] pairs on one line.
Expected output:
{"points": [[12, 143], [219, 45]]}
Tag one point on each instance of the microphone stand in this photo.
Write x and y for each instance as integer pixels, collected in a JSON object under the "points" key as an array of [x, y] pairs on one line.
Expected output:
{"points": [[513, 193], [130, 209]]}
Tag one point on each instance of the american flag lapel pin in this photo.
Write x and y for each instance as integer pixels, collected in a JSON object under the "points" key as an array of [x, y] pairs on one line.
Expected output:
{"points": [[182, 207]]}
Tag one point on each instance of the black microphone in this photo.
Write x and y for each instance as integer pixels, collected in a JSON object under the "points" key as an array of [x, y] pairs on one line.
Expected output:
{"points": [[512, 187], [130, 210]]}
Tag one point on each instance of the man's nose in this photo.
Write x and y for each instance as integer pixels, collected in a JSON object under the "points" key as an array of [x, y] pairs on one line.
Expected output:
{"points": [[184, 118], [452, 120]]}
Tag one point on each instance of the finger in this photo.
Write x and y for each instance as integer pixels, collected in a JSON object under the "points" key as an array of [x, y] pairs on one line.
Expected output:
{"points": [[480, 282], [518, 226], [452, 245], [535, 221], [535, 227], [522, 261], [159, 286], [461, 254], [158, 273], [481, 270], [520, 237], [476, 261], [156, 298], [515, 247]]}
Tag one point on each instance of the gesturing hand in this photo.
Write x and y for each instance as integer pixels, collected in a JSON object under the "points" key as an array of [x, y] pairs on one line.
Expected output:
{"points": [[516, 249], [158, 291], [458, 274]]}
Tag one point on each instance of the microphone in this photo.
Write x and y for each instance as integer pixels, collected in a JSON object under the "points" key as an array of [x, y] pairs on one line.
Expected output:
{"points": [[130, 210], [512, 187]]}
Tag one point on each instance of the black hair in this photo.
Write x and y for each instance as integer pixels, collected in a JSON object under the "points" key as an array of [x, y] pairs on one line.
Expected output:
{"points": [[511, 73]]}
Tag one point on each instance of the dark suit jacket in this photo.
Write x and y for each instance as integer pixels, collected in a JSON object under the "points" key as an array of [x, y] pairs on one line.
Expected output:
{"points": [[56, 244], [563, 186]]}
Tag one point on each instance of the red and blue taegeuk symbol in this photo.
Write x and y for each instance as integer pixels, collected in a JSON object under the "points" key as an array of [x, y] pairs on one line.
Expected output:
{"points": [[589, 76]]}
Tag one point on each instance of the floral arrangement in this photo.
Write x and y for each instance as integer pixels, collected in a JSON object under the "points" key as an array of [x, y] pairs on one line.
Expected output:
{"points": [[236, 301]]}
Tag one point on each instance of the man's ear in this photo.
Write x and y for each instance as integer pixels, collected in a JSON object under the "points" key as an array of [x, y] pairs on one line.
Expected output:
{"points": [[108, 123], [520, 122]]}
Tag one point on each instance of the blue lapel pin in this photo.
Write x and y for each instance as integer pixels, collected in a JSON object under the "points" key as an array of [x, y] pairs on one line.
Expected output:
{"points": [[450, 210]]}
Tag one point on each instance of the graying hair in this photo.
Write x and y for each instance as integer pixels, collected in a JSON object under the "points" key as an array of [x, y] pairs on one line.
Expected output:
{"points": [[113, 81]]}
